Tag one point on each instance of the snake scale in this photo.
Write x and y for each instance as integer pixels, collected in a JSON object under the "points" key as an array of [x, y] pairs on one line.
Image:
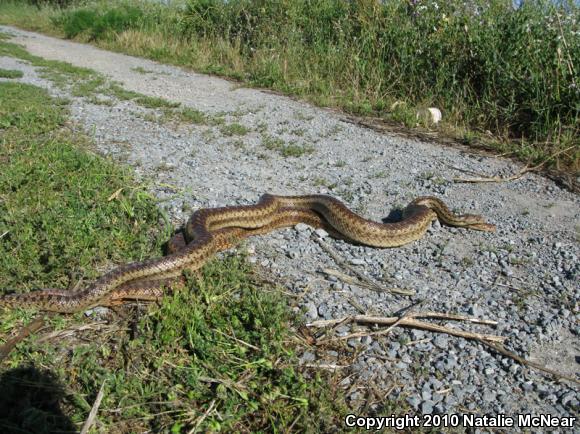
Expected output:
{"points": [[211, 230]]}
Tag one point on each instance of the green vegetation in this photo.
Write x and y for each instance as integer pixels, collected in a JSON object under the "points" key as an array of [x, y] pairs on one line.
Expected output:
{"points": [[505, 76], [88, 88], [217, 355], [141, 70], [283, 148], [60, 73], [87, 83], [189, 115], [10, 73], [56, 213], [155, 102], [234, 129]]}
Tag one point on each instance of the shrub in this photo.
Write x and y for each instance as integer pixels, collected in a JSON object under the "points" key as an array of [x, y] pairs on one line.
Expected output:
{"points": [[96, 24]]}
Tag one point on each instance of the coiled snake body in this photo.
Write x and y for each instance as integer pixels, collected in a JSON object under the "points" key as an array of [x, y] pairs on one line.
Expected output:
{"points": [[211, 230]]}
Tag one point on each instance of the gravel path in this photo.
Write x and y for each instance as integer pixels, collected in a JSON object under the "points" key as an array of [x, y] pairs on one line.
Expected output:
{"points": [[525, 275]]}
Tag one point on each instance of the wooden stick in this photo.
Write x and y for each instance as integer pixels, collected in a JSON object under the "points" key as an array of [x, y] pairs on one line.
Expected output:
{"points": [[330, 366], [203, 417], [98, 325], [492, 341], [93, 413], [410, 321], [381, 320]]}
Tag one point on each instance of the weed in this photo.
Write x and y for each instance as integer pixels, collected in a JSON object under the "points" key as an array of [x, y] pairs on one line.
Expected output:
{"points": [[93, 99], [190, 115], [261, 127], [299, 132], [285, 149], [216, 119], [10, 73], [320, 182], [120, 92], [148, 116], [155, 102], [301, 116], [60, 73], [467, 262], [89, 87], [141, 70], [238, 144], [234, 129], [23, 108]]}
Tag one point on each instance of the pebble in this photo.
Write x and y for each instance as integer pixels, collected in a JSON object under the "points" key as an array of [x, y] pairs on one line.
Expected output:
{"points": [[414, 402], [321, 233], [427, 407], [311, 311], [301, 227], [307, 357]]}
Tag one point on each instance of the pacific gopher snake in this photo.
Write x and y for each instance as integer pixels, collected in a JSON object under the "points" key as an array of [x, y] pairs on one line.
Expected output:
{"points": [[211, 230]]}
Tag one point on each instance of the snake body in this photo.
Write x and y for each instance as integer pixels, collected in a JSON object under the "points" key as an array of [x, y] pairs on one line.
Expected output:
{"points": [[211, 230]]}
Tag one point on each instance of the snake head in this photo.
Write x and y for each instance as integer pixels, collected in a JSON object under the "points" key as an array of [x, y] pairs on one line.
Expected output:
{"points": [[485, 227]]}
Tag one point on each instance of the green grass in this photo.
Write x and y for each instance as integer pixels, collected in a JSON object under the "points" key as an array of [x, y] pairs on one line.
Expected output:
{"points": [[10, 73], [141, 70], [88, 88], [189, 115], [116, 90], [218, 354], [155, 102], [504, 77], [285, 149], [85, 82], [234, 129], [55, 209]]}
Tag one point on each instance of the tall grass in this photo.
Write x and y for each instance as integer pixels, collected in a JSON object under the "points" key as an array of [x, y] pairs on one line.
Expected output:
{"points": [[491, 68]]}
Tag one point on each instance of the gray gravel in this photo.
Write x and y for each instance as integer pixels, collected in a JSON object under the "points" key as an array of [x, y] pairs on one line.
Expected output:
{"points": [[525, 275]]}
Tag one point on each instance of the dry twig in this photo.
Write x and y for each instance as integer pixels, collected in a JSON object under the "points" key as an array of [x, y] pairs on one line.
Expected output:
{"points": [[410, 320], [203, 417], [93, 413], [367, 282], [330, 366], [115, 195], [95, 326]]}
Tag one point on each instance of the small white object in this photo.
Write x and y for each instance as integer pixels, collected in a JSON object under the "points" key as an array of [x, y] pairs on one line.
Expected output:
{"points": [[431, 114]]}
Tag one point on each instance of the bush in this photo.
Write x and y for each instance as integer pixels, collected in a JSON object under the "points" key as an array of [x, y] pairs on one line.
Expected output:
{"points": [[77, 22], [96, 24], [512, 71]]}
